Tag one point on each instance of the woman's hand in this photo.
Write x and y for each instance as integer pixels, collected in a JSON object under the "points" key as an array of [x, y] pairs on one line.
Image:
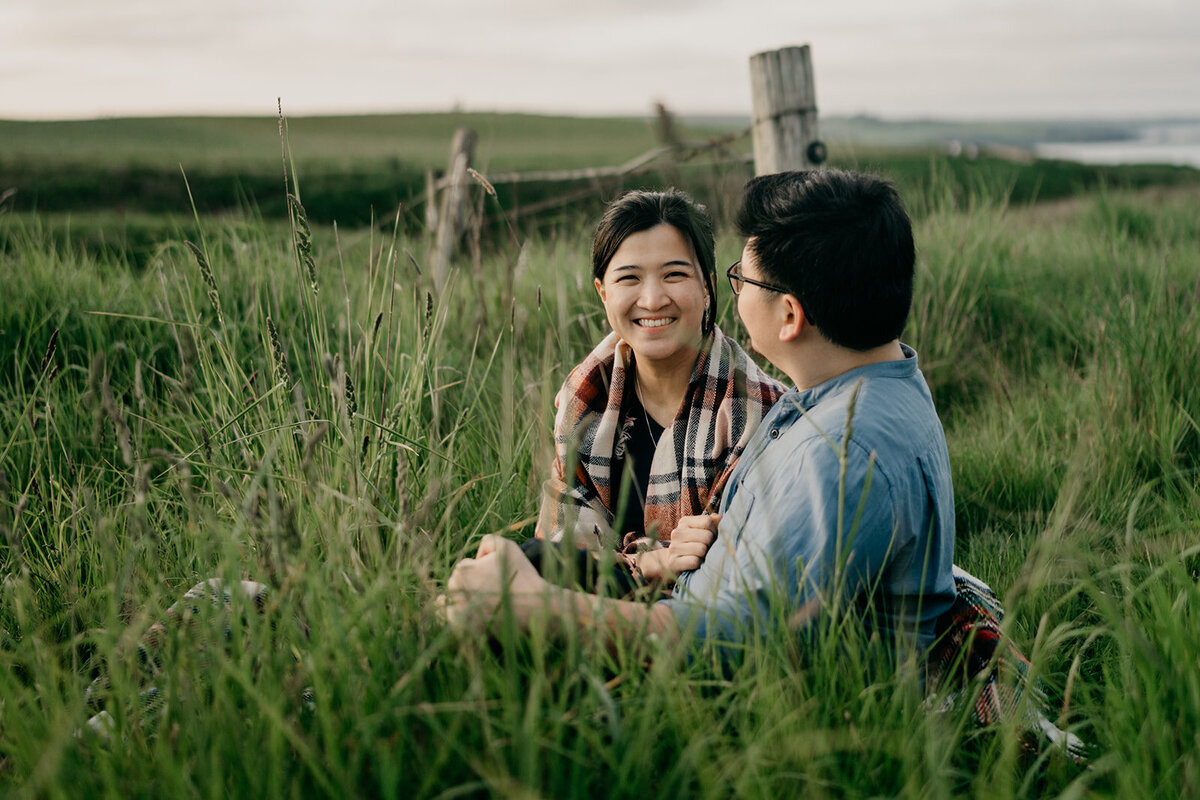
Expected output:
{"points": [[689, 544]]}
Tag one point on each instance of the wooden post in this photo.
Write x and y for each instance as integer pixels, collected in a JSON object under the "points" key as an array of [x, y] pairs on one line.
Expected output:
{"points": [[784, 119], [431, 199], [453, 209]]}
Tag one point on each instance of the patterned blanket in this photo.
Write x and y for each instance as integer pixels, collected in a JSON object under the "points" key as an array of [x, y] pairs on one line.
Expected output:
{"points": [[972, 654]]}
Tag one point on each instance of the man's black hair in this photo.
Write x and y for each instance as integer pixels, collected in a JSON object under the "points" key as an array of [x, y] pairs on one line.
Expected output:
{"points": [[842, 243]]}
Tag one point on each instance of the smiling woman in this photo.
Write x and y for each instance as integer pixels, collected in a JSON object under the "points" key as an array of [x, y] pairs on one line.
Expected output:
{"points": [[650, 424]]}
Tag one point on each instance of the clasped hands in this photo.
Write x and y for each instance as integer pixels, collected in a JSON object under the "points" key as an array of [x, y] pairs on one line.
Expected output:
{"points": [[477, 585], [689, 544]]}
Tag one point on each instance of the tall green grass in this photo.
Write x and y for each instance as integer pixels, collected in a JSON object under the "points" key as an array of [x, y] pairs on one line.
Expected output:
{"points": [[350, 457]]}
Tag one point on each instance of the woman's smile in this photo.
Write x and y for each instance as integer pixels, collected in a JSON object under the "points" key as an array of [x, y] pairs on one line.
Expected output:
{"points": [[656, 322]]}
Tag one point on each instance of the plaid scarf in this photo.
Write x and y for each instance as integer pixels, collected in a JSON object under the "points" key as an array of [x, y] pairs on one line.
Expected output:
{"points": [[971, 652], [726, 398]]}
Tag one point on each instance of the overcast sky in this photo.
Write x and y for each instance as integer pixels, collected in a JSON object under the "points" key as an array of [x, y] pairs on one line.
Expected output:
{"points": [[894, 58]]}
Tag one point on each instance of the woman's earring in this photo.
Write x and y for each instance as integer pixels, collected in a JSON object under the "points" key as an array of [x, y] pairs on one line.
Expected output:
{"points": [[707, 300]]}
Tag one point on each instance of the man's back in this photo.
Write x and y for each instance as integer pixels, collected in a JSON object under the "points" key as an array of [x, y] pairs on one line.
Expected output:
{"points": [[797, 518]]}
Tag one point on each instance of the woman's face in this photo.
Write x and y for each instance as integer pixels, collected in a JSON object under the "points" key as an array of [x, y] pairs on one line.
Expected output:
{"points": [[653, 294]]}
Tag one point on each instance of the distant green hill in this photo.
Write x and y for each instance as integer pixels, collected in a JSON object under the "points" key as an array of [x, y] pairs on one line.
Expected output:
{"points": [[355, 169], [506, 141], [351, 169]]}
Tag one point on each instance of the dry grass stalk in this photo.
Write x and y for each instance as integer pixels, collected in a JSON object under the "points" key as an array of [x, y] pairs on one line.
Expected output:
{"points": [[12, 533], [141, 483], [188, 356], [139, 389], [225, 489], [124, 434], [92, 397], [401, 483], [206, 273], [180, 466], [482, 181], [310, 446]]}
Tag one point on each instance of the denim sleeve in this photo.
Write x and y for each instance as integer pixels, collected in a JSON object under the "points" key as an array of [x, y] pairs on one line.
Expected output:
{"points": [[799, 534]]}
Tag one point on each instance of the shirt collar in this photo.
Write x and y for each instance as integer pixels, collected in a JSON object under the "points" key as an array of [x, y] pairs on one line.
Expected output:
{"points": [[903, 368]]}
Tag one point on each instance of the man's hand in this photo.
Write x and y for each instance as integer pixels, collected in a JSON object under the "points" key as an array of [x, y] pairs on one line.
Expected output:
{"points": [[476, 586], [689, 544]]}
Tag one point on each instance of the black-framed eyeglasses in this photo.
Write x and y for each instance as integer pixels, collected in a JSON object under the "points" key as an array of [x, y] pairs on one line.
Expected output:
{"points": [[736, 279]]}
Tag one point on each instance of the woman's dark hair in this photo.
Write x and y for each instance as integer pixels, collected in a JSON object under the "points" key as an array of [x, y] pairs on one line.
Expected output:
{"points": [[842, 243], [639, 211]]}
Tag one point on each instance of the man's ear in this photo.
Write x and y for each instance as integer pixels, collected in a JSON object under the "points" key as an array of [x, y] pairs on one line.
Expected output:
{"points": [[793, 318], [600, 290]]}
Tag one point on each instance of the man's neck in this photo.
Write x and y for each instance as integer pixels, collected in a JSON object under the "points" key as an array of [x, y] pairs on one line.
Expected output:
{"points": [[813, 362]]}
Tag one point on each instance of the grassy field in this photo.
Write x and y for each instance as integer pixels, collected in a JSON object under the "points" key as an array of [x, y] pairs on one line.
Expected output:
{"points": [[344, 436]]}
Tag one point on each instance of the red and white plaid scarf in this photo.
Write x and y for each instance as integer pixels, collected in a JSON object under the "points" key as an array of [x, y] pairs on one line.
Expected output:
{"points": [[727, 397]]}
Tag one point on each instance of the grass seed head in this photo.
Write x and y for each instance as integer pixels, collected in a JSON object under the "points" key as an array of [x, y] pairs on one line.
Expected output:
{"points": [[351, 400], [303, 240], [413, 260], [51, 348], [117, 417], [214, 299], [482, 181], [392, 421], [282, 374]]}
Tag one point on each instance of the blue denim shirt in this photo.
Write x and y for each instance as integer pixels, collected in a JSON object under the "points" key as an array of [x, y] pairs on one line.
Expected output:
{"points": [[805, 529]]}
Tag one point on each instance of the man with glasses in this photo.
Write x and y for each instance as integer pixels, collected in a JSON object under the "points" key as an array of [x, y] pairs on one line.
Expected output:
{"points": [[844, 494]]}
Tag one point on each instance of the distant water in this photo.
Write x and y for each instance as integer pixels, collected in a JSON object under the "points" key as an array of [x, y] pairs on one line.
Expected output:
{"points": [[1157, 144]]}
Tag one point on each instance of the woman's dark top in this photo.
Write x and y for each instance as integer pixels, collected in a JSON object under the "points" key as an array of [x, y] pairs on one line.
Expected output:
{"points": [[565, 564], [640, 439]]}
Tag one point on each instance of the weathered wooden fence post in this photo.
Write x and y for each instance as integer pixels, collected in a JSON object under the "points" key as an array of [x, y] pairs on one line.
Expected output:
{"points": [[431, 199], [784, 119], [454, 206]]}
